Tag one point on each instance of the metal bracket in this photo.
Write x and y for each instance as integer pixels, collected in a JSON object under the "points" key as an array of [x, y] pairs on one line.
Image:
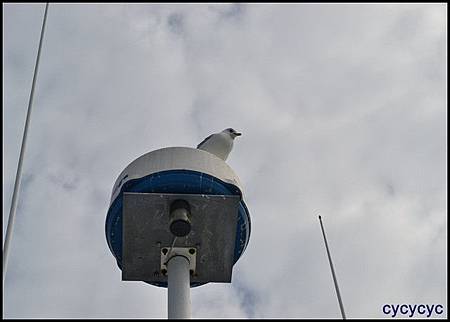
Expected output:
{"points": [[188, 252], [146, 233]]}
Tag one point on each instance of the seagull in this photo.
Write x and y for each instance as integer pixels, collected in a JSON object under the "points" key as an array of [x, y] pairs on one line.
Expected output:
{"points": [[219, 144]]}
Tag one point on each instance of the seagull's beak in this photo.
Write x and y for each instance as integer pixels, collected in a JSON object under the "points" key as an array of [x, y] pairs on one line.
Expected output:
{"points": [[237, 134]]}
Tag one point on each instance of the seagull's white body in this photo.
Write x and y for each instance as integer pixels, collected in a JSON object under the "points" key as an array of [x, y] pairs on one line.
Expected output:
{"points": [[219, 144]]}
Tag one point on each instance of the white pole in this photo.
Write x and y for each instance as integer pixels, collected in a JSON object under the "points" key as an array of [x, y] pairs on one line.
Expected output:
{"points": [[179, 299], [12, 211]]}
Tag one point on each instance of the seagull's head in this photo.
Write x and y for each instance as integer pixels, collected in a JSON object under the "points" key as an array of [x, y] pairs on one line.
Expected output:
{"points": [[232, 132]]}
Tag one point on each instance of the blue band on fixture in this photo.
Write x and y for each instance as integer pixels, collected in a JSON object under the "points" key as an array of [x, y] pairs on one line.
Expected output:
{"points": [[175, 181]]}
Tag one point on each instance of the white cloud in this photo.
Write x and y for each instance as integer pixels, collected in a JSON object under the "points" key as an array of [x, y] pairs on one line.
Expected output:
{"points": [[343, 113]]}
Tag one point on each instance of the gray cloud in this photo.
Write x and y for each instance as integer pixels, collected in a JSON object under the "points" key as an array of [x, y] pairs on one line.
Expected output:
{"points": [[343, 110], [175, 23]]}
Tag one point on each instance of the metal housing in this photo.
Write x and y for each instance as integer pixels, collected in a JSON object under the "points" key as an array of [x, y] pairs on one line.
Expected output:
{"points": [[176, 170]]}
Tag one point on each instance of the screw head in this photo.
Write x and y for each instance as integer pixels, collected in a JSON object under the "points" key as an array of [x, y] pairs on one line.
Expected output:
{"points": [[164, 251], [192, 251]]}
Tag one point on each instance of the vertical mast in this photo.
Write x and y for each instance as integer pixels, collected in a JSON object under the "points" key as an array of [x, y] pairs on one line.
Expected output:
{"points": [[341, 305], [12, 211]]}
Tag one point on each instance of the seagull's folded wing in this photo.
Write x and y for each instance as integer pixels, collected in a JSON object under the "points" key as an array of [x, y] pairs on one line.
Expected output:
{"points": [[198, 146]]}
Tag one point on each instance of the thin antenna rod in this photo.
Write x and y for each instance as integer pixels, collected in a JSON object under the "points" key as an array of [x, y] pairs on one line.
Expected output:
{"points": [[332, 271], [12, 211]]}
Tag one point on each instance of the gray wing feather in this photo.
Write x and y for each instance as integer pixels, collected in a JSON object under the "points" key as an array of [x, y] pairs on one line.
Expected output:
{"points": [[199, 145]]}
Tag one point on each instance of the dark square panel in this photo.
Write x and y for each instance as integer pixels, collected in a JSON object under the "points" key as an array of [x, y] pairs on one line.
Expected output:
{"points": [[146, 231]]}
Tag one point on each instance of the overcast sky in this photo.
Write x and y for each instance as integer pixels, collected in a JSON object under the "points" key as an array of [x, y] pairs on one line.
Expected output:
{"points": [[343, 110]]}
